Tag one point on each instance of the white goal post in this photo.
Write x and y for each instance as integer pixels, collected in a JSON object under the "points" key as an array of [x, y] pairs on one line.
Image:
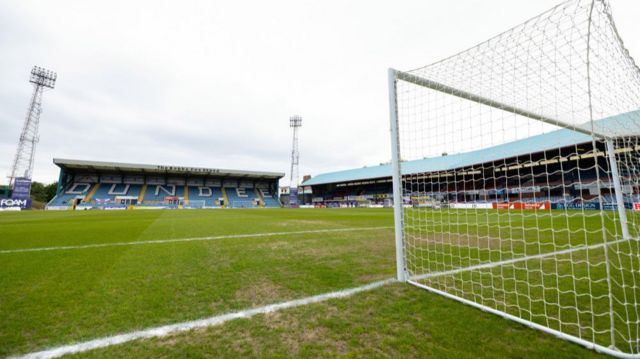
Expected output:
{"points": [[516, 177], [194, 204]]}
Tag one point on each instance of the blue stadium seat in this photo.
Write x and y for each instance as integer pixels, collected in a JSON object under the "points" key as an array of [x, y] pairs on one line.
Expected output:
{"points": [[64, 198], [103, 194], [237, 200], [151, 198], [270, 201]]}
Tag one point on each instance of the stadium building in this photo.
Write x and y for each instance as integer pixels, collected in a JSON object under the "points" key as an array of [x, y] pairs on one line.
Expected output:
{"points": [[559, 169], [109, 185]]}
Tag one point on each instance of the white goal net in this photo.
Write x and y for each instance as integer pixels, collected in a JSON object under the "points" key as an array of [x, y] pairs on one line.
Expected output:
{"points": [[194, 204], [517, 177]]}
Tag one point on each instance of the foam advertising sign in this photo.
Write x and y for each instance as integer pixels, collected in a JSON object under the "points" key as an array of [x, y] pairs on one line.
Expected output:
{"points": [[21, 188], [14, 204]]}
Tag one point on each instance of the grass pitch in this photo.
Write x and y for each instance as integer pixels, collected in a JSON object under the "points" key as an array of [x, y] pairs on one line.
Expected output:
{"points": [[57, 297]]}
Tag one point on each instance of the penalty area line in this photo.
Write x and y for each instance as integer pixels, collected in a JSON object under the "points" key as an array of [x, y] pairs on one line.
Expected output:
{"points": [[201, 323], [193, 239]]}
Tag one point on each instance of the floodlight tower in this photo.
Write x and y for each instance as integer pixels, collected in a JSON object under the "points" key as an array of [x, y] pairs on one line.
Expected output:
{"points": [[23, 161], [295, 122]]}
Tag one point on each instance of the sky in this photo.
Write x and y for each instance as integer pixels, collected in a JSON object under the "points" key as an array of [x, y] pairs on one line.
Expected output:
{"points": [[213, 83]]}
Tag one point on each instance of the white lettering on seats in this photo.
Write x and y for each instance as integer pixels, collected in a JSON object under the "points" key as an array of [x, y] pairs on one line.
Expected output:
{"points": [[79, 188], [123, 192], [164, 189], [205, 192]]}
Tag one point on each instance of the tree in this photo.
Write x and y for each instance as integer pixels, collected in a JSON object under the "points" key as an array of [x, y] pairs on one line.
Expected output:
{"points": [[50, 190], [43, 193]]}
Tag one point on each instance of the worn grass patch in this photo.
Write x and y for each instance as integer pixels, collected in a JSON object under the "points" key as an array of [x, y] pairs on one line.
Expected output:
{"points": [[395, 321]]}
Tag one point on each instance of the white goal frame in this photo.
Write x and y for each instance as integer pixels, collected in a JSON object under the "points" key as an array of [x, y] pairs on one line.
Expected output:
{"points": [[608, 140], [401, 271]]}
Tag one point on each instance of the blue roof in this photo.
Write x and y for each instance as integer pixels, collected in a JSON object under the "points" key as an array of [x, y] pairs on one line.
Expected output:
{"points": [[627, 122]]}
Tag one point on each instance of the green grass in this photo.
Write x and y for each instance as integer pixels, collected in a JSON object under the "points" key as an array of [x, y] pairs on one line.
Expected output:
{"points": [[53, 298], [397, 321]]}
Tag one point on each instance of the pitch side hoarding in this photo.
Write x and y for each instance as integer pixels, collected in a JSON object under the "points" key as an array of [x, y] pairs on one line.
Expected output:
{"points": [[15, 204]]}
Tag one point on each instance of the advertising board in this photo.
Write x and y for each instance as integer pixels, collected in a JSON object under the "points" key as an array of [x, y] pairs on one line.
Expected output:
{"points": [[15, 204], [21, 188], [522, 205], [293, 197]]}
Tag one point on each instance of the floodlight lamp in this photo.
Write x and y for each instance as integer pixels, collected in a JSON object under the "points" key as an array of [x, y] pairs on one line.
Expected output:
{"points": [[43, 77], [295, 121]]}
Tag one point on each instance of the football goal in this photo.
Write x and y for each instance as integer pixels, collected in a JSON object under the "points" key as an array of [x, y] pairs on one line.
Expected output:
{"points": [[516, 177], [194, 204]]}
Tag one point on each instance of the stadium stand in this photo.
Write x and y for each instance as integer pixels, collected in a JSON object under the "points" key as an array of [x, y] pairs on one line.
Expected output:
{"points": [[557, 167], [105, 185]]}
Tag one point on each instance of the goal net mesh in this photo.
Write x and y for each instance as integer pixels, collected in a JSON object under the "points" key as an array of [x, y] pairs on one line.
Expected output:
{"points": [[520, 175], [195, 204]]}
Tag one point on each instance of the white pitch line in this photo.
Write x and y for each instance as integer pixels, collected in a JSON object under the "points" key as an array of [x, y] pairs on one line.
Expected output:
{"points": [[194, 239], [201, 323]]}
